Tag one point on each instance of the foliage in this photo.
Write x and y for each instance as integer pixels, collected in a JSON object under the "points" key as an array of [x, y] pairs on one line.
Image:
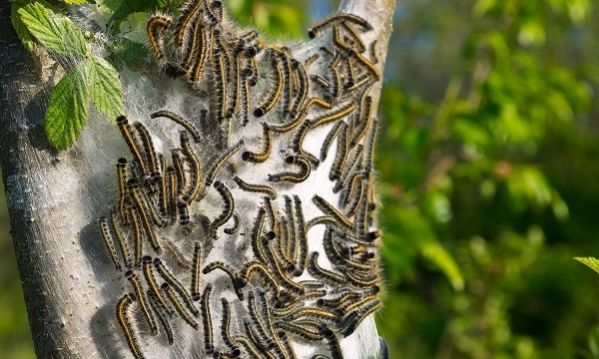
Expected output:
{"points": [[68, 101], [590, 262], [89, 78], [470, 163], [276, 18], [53, 31], [104, 87], [45, 23]]}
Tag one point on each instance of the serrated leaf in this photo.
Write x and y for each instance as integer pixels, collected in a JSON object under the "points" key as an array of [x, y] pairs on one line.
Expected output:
{"points": [[54, 31], [131, 53], [19, 26], [590, 262], [67, 109], [106, 89], [128, 7]]}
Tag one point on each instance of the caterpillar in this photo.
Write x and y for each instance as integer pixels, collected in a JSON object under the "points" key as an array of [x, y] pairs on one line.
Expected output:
{"points": [[267, 145], [293, 177], [178, 306], [157, 308], [134, 219], [332, 341], [196, 273], [185, 123], [153, 284], [255, 188], [238, 281], [229, 207], [211, 175], [207, 320], [329, 209], [196, 167], [145, 220], [108, 241], [269, 102], [174, 283], [162, 200], [143, 301], [236, 225], [326, 144], [340, 155], [122, 314], [299, 331], [302, 239], [121, 170], [149, 149], [125, 128], [156, 24], [325, 275], [116, 228], [338, 18]]}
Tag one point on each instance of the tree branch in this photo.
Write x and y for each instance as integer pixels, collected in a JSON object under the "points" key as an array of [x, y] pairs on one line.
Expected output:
{"points": [[54, 200]]}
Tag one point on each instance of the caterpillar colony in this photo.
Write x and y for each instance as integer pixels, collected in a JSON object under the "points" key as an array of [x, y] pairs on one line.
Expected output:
{"points": [[288, 280]]}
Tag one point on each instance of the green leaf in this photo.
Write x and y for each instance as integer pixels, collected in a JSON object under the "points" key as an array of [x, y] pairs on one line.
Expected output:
{"points": [[590, 262], [128, 7], [106, 90], [75, 2], [443, 260], [19, 26], [134, 26], [108, 6], [414, 235], [579, 10], [67, 110], [55, 31], [131, 53]]}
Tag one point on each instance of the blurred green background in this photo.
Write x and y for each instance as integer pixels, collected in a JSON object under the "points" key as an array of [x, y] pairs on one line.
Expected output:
{"points": [[489, 175]]}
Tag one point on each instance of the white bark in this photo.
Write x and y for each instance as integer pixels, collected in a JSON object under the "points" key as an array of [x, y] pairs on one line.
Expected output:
{"points": [[54, 200]]}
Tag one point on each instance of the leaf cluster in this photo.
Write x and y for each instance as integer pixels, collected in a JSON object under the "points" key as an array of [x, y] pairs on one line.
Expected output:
{"points": [[88, 79], [488, 152]]}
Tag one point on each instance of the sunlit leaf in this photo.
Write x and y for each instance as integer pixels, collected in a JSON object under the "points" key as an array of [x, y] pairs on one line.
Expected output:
{"points": [[482, 7], [417, 236], [440, 258], [19, 26], [128, 7], [106, 90], [54, 31], [528, 187], [578, 9], [68, 108], [590, 262], [531, 33]]}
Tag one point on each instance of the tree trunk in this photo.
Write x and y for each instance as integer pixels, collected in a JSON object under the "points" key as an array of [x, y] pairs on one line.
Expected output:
{"points": [[54, 200]]}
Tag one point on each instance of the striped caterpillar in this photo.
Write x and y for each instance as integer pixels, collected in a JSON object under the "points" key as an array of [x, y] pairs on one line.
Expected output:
{"points": [[239, 177]]}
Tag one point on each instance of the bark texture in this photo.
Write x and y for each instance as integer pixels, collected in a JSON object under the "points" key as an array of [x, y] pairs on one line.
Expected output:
{"points": [[54, 200]]}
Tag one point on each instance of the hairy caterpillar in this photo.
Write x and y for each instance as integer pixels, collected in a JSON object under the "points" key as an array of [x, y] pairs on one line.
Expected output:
{"points": [[167, 201], [122, 314]]}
